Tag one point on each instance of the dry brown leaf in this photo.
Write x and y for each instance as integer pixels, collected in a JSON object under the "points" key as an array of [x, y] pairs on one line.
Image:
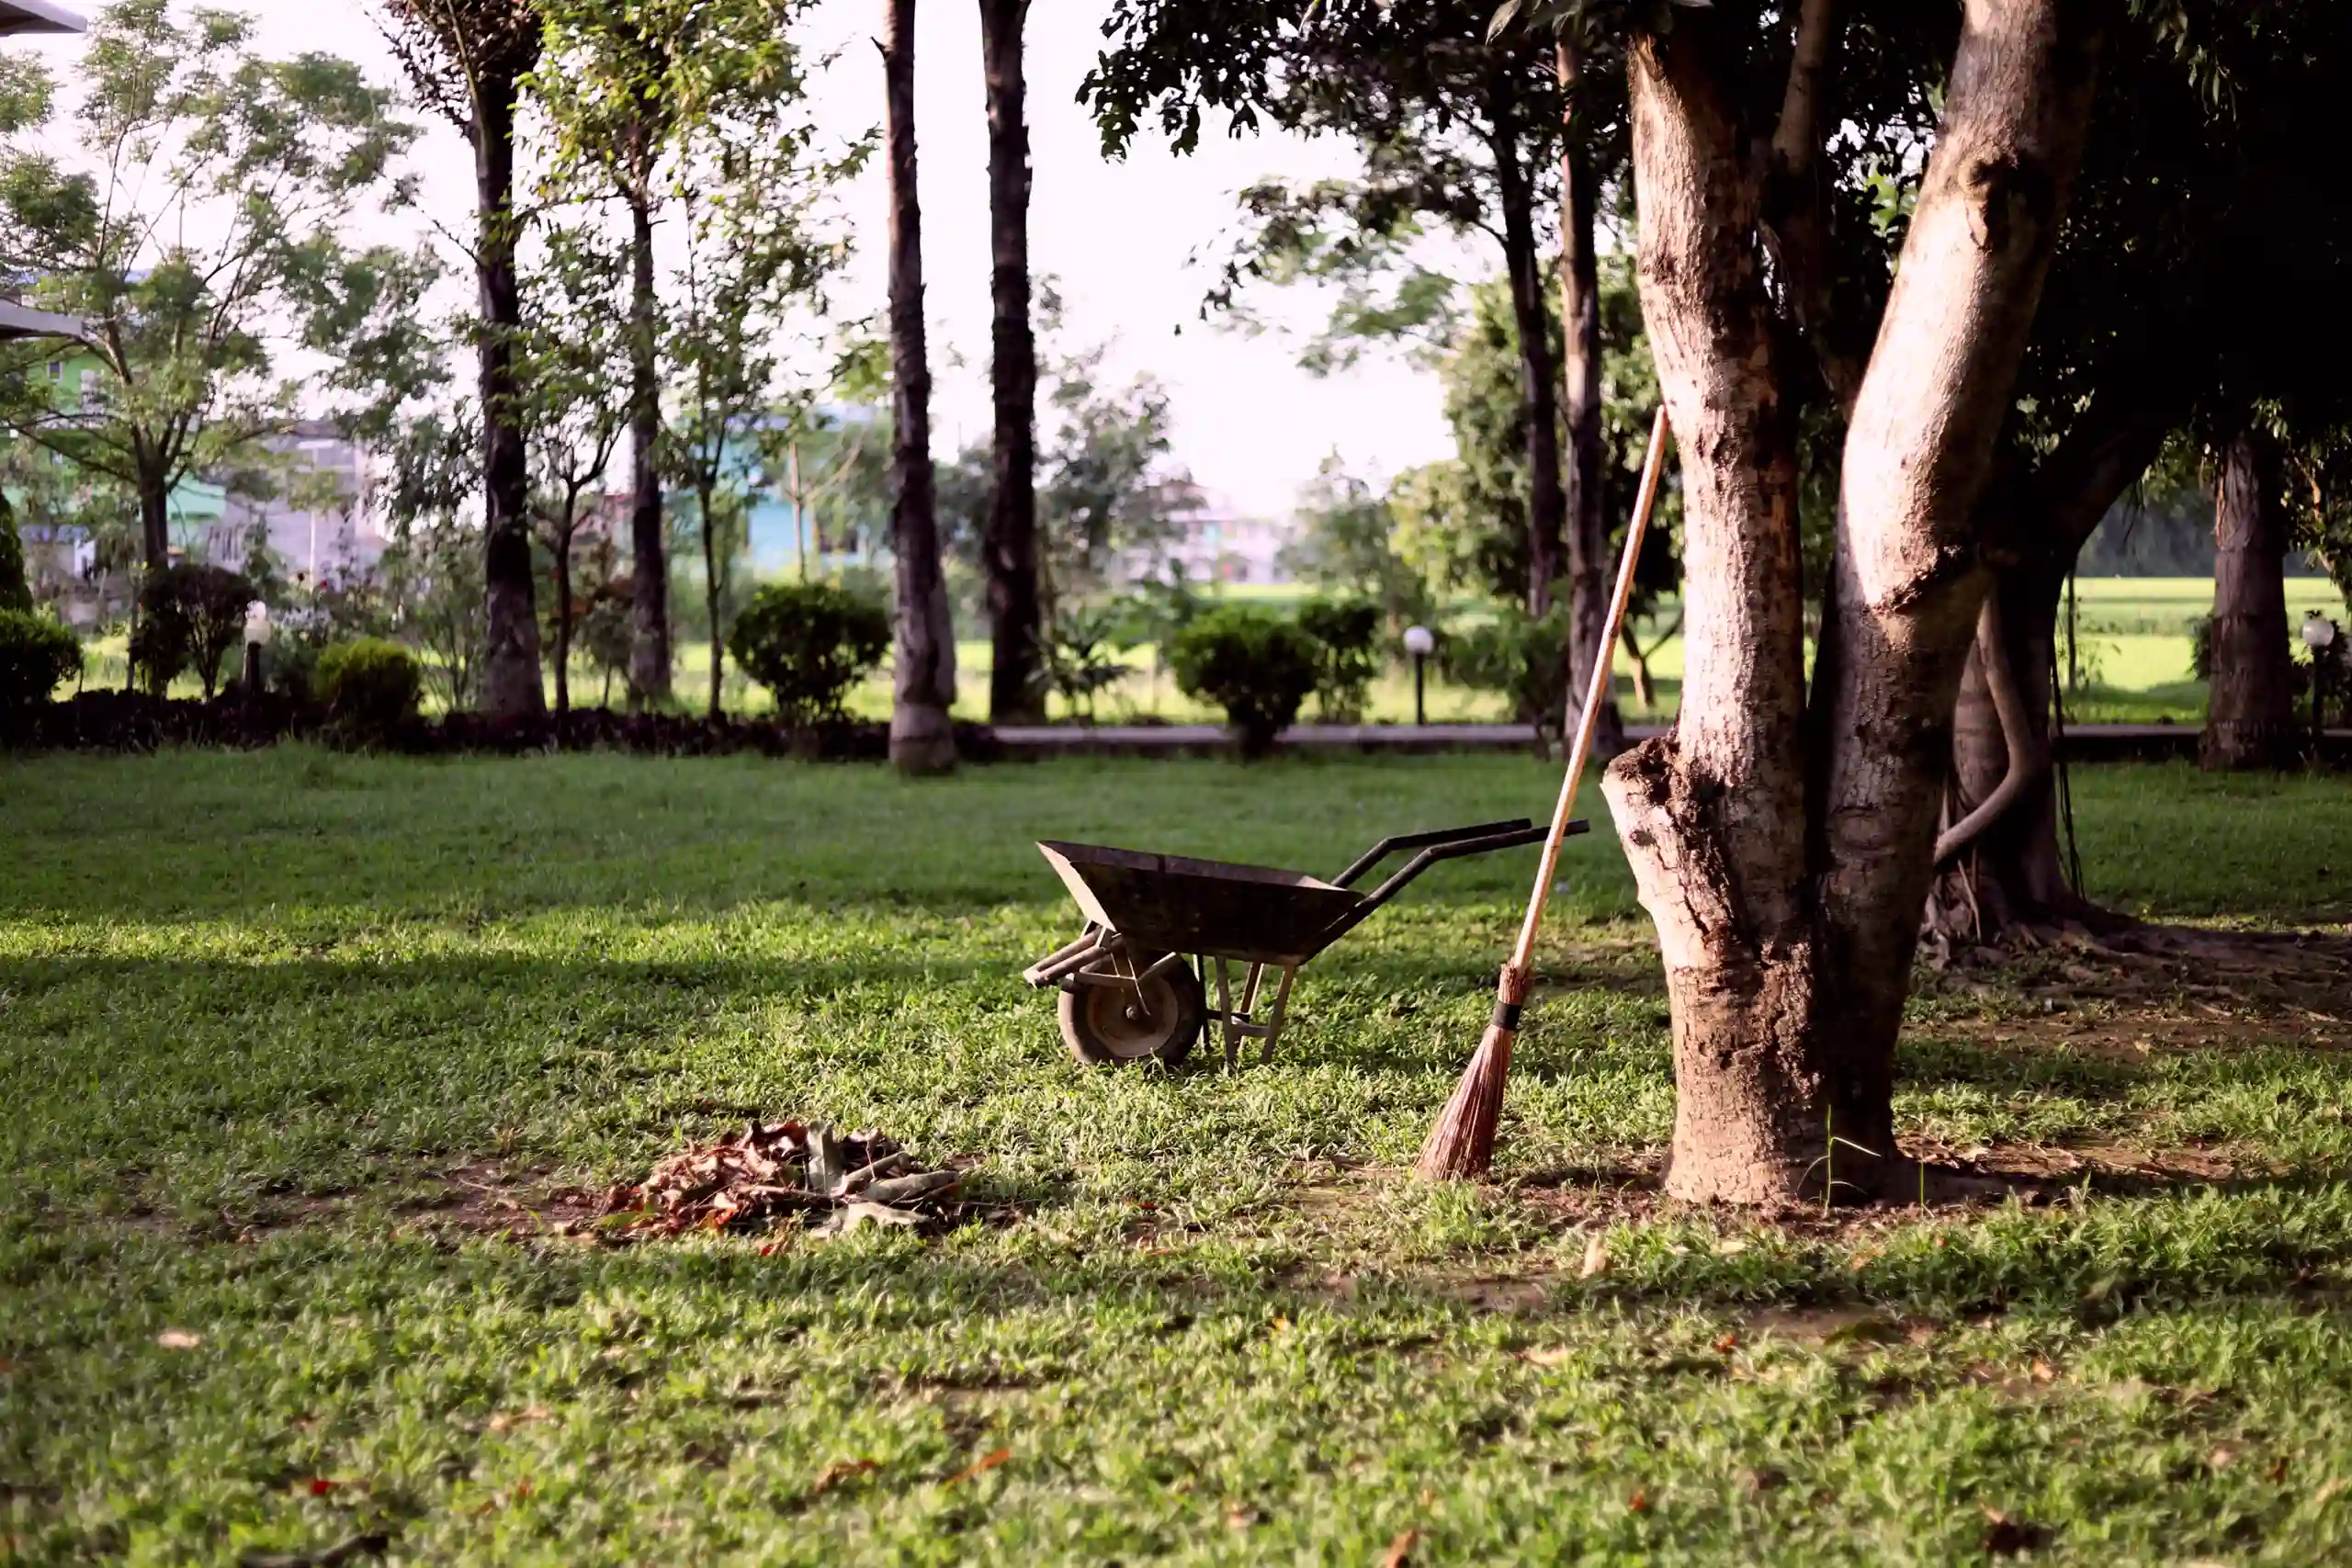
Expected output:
{"points": [[179, 1339], [833, 1474], [508, 1420], [981, 1466], [1400, 1550]]}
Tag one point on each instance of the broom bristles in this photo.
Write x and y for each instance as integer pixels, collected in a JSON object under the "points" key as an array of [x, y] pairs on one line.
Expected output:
{"points": [[1461, 1145]]}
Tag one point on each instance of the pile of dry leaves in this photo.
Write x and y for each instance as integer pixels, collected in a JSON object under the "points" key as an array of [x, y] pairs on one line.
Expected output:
{"points": [[777, 1171]]}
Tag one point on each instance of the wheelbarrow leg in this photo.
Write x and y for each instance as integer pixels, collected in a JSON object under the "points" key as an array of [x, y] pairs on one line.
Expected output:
{"points": [[1274, 1019], [1224, 1013]]}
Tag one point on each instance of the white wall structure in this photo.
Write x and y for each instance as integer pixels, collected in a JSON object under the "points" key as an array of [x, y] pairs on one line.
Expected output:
{"points": [[320, 523], [1216, 542]]}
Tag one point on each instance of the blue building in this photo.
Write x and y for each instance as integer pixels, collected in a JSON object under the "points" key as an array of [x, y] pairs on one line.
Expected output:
{"points": [[826, 526]]}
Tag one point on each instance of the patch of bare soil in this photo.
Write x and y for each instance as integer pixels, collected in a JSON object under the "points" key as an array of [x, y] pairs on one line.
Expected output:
{"points": [[486, 1198], [2145, 981]]}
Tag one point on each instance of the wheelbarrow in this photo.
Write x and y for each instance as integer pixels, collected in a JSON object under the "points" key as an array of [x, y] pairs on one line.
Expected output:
{"points": [[1133, 985]]}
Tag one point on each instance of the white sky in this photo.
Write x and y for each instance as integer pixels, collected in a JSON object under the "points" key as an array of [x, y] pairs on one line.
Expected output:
{"points": [[1116, 237]]}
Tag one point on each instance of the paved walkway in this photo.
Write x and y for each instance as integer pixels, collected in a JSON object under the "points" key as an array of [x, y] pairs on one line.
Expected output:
{"points": [[2089, 742]]}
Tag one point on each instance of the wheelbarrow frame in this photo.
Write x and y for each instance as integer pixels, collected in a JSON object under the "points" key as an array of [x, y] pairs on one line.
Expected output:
{"points": [[1105, 956]]}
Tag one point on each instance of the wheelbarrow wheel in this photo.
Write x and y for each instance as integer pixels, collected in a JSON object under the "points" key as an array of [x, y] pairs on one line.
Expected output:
{"points": [[1108, 1026]]}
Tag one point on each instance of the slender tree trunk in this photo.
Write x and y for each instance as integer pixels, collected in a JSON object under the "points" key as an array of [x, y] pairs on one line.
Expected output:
{"points": [[1785, 854], [2250, 703], [563, 617], [1645, 692], [1016, 687], [714, 587], [923, 738], [649, 653], [1587, 528], [1538, 377], [510, 687]]}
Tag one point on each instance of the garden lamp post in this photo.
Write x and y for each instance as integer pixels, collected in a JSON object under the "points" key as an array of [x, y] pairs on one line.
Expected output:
{"points": [[1421, 642], [258, 633], [2319, 636]]}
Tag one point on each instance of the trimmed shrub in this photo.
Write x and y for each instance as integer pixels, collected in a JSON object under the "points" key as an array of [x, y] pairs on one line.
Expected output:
{"points": [[1256, 665], [36, 654], [808, 643], [1347, 633], [1523, 656], [370, 686], [189, 615]]}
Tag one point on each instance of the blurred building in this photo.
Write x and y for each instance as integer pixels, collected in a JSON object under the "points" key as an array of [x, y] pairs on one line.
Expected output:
{"points": [[1214, 542]]}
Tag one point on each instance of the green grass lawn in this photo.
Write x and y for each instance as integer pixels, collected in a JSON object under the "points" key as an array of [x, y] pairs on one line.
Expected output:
{"points": [[294, 1045]]}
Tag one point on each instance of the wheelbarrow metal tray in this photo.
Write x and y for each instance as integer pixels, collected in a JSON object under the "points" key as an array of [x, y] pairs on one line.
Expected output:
{"points": [[1175, 904]]}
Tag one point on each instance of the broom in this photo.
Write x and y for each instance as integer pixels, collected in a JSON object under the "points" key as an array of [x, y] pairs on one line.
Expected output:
{"points": [[1461, 1145]]}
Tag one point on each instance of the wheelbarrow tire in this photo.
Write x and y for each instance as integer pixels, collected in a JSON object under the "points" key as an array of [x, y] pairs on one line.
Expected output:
{"points": [[1103, 1027]]}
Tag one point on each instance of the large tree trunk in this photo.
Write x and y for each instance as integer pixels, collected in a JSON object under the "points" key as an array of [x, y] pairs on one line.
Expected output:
{"points": [[2250, 704], [649, 654], [1538, 383], [923, 738], [1588, 526], [1016, 687], [510, 684], [1785, 854]]}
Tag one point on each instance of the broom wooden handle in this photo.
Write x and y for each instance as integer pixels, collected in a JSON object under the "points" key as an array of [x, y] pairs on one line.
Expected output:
{"points": [[1603, 668]]}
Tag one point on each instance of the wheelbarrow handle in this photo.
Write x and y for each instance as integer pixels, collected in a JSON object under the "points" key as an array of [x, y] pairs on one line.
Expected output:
{"points": [[1452, 850], [1395, 841]]}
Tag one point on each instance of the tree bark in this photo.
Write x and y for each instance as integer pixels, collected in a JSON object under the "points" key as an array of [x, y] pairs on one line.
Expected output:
{"points": [[1784, 850], [1588, 526], [923, 738], [1538, 384], [2250, 703], [649, 649], [1909, 578], [1713, 816], [511, 684], [1016, 687]]}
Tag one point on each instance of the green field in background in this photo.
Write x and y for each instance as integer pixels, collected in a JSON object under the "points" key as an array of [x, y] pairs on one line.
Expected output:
{"points": [[2133, 635]]}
